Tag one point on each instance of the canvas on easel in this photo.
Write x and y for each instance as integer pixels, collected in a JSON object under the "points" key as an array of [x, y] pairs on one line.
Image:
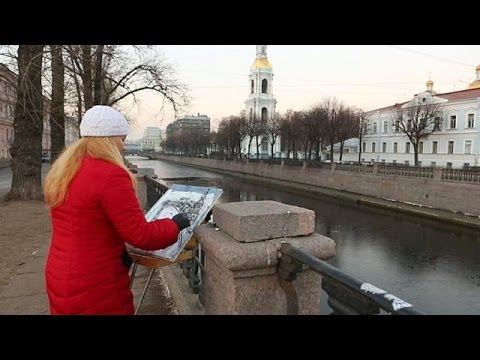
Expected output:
{"points": [[195, 201]]}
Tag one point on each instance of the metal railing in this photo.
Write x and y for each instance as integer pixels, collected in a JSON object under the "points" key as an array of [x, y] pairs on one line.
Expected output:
{"points": [[346, 295], [155, 190]]}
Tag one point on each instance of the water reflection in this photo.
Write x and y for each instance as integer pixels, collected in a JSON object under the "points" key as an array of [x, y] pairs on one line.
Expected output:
{"points": [[434, 266]]}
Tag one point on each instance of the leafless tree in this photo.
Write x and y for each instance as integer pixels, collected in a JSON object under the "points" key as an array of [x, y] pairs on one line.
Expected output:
{"points": [[332, 108], [347, 127], [272, 130], [362, 121], [57, 108], [418, 119], [26, 149]]}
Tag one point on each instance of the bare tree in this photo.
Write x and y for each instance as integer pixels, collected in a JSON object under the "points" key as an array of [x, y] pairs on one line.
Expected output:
{"points": [[273, 130], [332, 108], [26, 149], [121, 72], [362, 122], [347, 127], [57, 108], [418, 119]]}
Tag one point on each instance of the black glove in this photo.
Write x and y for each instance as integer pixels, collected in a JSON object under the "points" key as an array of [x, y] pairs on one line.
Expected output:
{"points": [[182, 221]]}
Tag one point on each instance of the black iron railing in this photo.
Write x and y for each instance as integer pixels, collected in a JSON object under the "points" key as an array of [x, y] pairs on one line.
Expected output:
{"points": [[346, 295], [155, 190]]}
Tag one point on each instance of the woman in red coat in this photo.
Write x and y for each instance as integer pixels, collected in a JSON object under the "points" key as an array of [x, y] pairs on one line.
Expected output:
{"points": [[95, 211]]}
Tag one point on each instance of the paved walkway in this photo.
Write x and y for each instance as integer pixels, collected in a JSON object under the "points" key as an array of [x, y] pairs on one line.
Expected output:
{"points": [[168, 293]]}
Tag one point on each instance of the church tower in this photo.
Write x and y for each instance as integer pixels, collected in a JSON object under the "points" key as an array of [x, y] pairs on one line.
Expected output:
{"points": [[260, 103]]}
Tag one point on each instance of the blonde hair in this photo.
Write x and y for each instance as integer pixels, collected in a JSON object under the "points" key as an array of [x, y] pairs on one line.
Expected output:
{"points": [[66, 167]]}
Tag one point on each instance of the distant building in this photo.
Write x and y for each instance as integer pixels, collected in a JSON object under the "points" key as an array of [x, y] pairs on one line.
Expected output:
{"points": [[151, 140], [133, 146], [455, 144], [72, 131], [191, 131], [8, 82]]}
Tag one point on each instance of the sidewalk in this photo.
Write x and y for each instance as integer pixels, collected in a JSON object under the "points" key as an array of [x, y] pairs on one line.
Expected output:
{"points": [[168, 293]]}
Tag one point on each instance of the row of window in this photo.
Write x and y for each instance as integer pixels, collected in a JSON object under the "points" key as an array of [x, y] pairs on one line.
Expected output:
{"points": [[450, 147], [432, 163], [452, 124]]}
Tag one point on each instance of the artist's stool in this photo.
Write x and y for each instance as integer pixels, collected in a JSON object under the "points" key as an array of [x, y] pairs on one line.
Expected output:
{"points": [[154, 263]]}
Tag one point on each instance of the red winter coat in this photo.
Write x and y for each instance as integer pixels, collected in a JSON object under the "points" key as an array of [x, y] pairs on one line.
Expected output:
{"points": [[84, 272]]}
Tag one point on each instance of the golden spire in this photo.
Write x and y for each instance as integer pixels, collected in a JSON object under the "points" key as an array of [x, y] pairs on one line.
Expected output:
{"points": [[261, 61], [476, 83]]}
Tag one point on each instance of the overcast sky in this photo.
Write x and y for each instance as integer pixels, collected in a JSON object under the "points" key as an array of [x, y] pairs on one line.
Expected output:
{"points": [[366, 76]]}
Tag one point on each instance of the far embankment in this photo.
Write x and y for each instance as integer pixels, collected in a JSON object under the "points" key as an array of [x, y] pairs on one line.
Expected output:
{"points": [[415, 191]]}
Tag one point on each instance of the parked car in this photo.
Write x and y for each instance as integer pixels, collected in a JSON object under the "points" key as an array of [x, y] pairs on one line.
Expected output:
{"points": [[46, 158]]}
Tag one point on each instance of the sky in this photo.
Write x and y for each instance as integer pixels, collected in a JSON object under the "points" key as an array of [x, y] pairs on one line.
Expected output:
{"points": [[364, 76]]}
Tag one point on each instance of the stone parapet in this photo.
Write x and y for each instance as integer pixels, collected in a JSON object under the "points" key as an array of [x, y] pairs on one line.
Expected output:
{"points": [[253, 221], [240, 276]]}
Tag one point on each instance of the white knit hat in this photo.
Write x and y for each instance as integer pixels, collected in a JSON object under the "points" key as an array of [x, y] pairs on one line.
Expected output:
{"points": [[101, 120]]}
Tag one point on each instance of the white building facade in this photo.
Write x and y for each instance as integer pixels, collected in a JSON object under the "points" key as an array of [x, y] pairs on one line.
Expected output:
{"points": [[152, 138], [260, 103], [455, 145]]}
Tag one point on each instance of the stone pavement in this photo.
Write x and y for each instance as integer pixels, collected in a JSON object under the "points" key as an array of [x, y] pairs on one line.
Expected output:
{"points": [[168, 293]]}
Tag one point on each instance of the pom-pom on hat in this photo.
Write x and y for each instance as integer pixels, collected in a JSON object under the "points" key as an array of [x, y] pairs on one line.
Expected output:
{"points": [[101, 120]]}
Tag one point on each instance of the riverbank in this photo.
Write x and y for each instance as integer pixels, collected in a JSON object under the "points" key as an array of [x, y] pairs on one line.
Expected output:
{"points": [[296, 184]]}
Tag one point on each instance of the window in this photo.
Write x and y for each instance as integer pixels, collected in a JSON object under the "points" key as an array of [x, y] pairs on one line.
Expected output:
{"points": [[433, 164], [468, 147], [385, 127], [407, 148], [394, 161], [364, 147], [453, 122], [365, 128], [420, 147], [409, 125], [434, 147], [407, 163], [397, 126], [374, 128], [373, 147], [419, 163], [264, 86], [384, 147], [471, 121], [252, 87], [436, 125], [450, 147], [466, 165], [264, 114], [264, 145], [383, 161], [449, 165], [395, 147]]}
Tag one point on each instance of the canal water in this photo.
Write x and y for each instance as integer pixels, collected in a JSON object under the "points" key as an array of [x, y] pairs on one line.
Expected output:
{"points": [[432, 265]]}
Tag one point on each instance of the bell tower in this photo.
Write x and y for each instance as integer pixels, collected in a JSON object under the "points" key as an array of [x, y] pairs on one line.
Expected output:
{"points": [[260, 103]]}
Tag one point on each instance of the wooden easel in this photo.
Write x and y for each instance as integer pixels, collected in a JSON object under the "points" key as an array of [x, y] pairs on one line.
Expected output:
{"points": [[154, 263]]}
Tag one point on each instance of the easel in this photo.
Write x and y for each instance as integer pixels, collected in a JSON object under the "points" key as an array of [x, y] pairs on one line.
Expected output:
{"points": [[155, 263]]}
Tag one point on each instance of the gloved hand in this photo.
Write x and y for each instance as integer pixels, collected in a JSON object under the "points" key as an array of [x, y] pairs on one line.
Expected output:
{"points": [[182, 221]]}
